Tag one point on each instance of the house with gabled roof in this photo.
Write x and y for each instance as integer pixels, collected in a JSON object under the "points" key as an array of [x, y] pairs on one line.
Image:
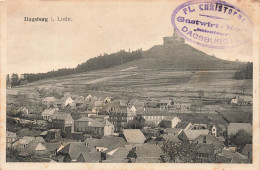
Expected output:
{"points": [[72, 151], [109, 144], [88, 98], [191, 135], [65, 101], [47, 100], [63, 121], [206, 153], [46, 114], [119, 155], [134, 136], [210, 139]]}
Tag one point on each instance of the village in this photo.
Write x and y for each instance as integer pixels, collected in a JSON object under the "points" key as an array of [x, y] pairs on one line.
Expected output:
{"points": [[105, 129]]}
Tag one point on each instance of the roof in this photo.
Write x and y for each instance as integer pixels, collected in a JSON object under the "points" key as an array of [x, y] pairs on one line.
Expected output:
{"points": [[74, 149], [135, 136], [28, 139], [60, 116], [182, 125], [193, 134], [239, 158], [172, 138], [84, 119], [151, 104], [111, 142], [120, 154], [247, 148], [48, 112], [233, 128], [148, 151], [91, 157], [98, 103], [100, 123], [65, 98], [172, 130], [52, 146]]}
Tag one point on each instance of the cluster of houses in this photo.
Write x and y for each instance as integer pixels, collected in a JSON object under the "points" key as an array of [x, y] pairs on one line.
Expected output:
{"points": [[99, 134]]}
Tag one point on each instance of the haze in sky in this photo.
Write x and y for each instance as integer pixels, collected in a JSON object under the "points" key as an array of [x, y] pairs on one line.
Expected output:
{"points": [[96, 28]]}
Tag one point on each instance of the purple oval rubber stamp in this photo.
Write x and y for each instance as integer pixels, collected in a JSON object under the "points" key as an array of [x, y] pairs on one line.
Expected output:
{"points": [[214, 24]]}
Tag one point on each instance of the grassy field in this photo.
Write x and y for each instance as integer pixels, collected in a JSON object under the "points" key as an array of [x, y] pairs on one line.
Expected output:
{"points": [[139, 83]]}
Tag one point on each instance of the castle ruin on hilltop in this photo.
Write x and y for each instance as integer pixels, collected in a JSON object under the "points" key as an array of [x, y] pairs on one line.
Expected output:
{"points": [[175, 39]]}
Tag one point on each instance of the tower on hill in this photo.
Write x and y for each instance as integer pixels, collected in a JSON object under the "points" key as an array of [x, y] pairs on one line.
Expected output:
{"points": [[175, 39]]}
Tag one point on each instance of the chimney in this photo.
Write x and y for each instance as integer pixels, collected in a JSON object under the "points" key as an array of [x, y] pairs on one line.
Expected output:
{"points": [[204, 139]]}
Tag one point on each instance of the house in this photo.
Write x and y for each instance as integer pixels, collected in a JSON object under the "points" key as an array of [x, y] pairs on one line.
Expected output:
{"points": [[108, 145], [191, 135], [131, 113], [151, 105], [86, 113], [118, 156], [184, 125], [11, 137], [206, 153], [79, 100], [65, 101], [88, 98], [233, 157], [107, 100], [47, 100], [77, 152], [199, 126], [210, 139], [170, 123], [102, 127], [233, 128], [165, 104], [172, 131], [98, 106], [82, 124], [52, 148], [148, 153], [110, 107], [247, 151], [22, 143], [63, 121], [23, 110], [155, 117], [134, 136], [119, 118], [218, 130], [35, 148], [46, 114]]}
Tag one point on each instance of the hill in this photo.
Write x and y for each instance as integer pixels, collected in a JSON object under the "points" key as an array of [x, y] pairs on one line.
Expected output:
{"points": [[180, 57]]}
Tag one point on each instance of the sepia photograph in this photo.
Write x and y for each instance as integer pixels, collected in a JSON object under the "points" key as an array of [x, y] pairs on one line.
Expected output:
{"points": [[122, 84]]}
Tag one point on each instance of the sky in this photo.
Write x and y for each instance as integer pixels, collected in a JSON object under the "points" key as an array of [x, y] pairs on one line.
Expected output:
{"points": [[96, 28]]}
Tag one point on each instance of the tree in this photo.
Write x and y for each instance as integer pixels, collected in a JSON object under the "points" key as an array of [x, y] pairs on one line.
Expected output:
{"points": [[8, 80], [241, 138], [138, 122], [14, 80], [184, 152]]}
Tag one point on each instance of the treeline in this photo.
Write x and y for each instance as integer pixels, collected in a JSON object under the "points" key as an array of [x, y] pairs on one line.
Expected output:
{"points": [[100, 62], [245, 71]]}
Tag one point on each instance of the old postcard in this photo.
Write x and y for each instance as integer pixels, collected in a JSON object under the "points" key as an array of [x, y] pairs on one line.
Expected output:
{"points": [[133, 84]]}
